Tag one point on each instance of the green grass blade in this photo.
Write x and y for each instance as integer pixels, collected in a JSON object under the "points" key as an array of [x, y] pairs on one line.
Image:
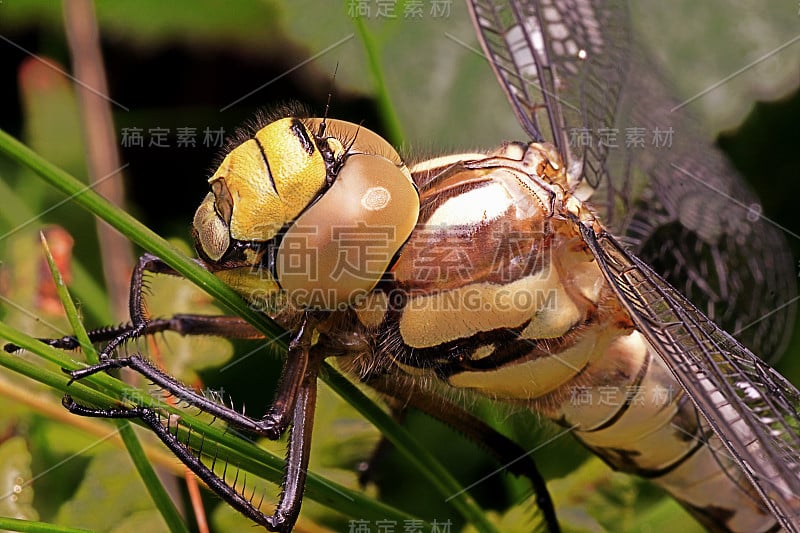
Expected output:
{"points": [[154, 486], [393, 125], [69, 306], [29, 526]]}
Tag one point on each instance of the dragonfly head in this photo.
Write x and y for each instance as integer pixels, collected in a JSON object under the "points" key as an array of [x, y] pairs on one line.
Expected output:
{"points": [[318, 208]]}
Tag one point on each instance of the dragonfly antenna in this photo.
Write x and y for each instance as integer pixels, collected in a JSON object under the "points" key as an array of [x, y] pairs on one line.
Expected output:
{"points": [[324, 123]]}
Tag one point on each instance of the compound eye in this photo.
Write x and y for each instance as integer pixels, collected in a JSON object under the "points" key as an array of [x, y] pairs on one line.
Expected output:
{"points": [[342, 245], [212, 234]]}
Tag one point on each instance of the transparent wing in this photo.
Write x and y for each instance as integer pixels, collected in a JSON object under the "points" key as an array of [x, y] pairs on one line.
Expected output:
{"points": [[751, 407], [561, 64], [576, 77]]}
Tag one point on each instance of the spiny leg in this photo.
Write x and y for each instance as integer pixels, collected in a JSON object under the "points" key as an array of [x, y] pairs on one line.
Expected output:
{"points": [[231, 327], [272, 424], [294, 479], [185, 324], [293, 407], [152, 419], [299, 449], [146, 263]]}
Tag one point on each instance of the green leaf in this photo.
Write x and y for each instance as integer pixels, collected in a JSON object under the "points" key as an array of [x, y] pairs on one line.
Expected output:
{"points": [[111, 484], [522, 517], [732, 50], [437, 81]]}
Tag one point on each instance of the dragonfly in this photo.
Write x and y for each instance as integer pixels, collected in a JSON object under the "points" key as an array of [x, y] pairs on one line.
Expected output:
{"points": [[609, 267]]}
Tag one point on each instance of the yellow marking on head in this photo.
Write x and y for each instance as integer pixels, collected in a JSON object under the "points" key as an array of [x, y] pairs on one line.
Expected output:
{"points": [[339, 239], [271, 178]]}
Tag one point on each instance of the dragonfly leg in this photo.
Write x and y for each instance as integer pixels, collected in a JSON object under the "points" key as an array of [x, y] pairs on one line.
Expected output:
{"points": [[288, 509], [292, 409], [146, 263], [184, 324], [272, 425], [231, 327], [507, 452]]}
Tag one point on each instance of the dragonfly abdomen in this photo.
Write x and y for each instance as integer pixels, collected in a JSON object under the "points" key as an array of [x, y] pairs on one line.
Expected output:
{"points": [[641, 421]]}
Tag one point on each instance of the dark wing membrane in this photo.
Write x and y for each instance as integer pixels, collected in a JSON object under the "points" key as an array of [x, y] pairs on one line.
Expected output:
{"points": [[752, 408], [561, 64], [678, 203]]}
